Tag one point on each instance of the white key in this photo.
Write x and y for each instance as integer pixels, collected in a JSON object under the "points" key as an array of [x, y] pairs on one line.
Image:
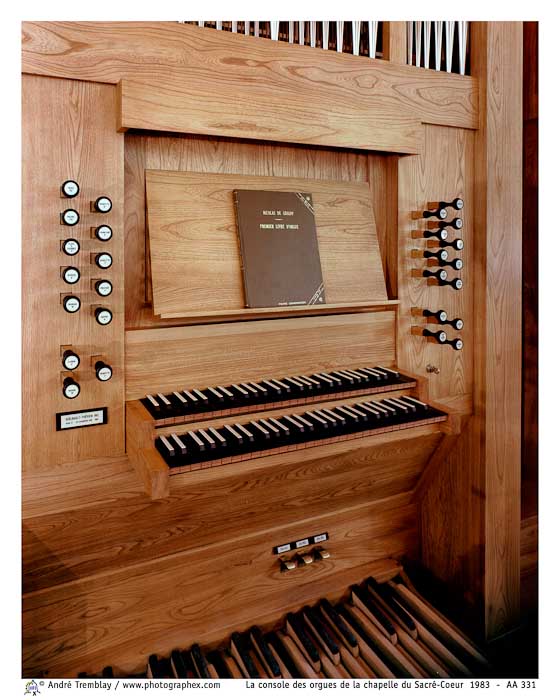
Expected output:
{"points": [[225, 391], [200, 394], [192, 397], [281, 425], [207, 437], [386, 369], [270, 384], [217, 435], [165, 400], [316, 417], [323, 414], [258, 387], [179, 442], [268, 425], [369, 409], [152, 400], [168, 445], [215, 392], [378, 406], [235, 434], [244, 430], [195, 437], [346, 411], [356, 410], [259, 427], [182, 399], [310, 380], [344, 375], [384, 375], [293, 381], [281, 384], [373, 373], [359, 374], [304, 421], [398, 405], [240, 390], [292, 419], [250, 389], [332, 412], [420, 403]]}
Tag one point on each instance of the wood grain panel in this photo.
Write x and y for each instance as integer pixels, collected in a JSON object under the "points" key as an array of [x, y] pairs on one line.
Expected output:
{"points": [[265, 114], [121, 617], [443, 172], [503, 170], [471, 512], [194, 246], [75, 138], [77, 484], [188, 153], [215, 68], [164, 359]]}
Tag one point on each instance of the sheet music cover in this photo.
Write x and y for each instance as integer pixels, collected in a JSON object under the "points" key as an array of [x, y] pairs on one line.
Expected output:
{"points": [[279, 250]]}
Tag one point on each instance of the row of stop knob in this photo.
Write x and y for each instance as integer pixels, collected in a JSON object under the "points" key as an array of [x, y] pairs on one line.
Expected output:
{"points": [[70, 362]]}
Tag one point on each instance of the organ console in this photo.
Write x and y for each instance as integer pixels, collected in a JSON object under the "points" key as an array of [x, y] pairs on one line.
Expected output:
{"points": [[217, 490]]}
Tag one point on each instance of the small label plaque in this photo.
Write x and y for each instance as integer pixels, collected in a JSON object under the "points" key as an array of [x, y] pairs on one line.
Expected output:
{"points": [[305, 542], [81, 419]]}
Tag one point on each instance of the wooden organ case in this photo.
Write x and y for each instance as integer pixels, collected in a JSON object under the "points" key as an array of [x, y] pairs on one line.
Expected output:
{"points": [[125, 557]]}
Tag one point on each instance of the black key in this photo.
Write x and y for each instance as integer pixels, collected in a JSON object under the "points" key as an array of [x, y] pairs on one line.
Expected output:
{"points": [[264, 652], [334, 619], [215, 396], [199, 662], [178, 665], [240, 651], [217, 660], [365, 598], [273, 389], [294, 624], [297, 386], [276, 643], [232, 435], [420, 405], [385, 593], [321, 631], [153, 666]]}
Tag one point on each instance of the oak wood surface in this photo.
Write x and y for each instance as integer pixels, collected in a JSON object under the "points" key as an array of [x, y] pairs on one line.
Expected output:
{"points": [[156, 105], [196, 598], [164, 359], [194, 247], [214, 68], [444, 171], [74, 138], [189, 153]]}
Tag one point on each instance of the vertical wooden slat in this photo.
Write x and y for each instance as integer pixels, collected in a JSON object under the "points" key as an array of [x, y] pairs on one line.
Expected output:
{"points": [[497, 62]]}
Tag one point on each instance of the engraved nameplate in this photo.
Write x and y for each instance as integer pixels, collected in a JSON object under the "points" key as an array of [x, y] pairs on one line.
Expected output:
{"points": [[81, 419]]}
